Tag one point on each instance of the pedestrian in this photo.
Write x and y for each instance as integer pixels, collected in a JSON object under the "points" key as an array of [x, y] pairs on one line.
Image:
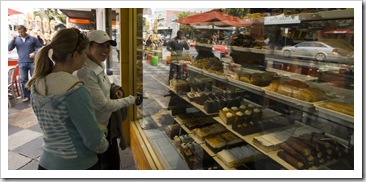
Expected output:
{"points": [[175, 46], [27, 47], [94, 77], [63, 105]]}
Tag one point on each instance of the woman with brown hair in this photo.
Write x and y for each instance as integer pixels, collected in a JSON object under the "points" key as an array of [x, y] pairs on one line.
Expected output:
{"points": [[63, 105]]}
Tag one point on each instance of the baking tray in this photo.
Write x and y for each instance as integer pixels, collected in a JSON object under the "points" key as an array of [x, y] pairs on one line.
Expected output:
{"points": [[318, 106], [285, 98]]}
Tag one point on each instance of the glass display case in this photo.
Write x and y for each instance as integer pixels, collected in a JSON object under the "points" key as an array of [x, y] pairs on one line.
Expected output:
{"points": [[282, 98]]}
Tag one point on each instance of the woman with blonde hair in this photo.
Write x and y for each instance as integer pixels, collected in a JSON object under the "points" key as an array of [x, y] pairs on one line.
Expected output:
{"points": [[63, 105]]}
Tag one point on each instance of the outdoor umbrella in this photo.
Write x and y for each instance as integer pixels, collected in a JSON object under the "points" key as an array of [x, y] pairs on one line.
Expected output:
{"points": [[215, 17], [13, 12]]}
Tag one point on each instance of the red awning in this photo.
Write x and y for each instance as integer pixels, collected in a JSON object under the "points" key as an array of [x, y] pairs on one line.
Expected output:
{"points": [[13, 12], [339, 32], [215, 17]]}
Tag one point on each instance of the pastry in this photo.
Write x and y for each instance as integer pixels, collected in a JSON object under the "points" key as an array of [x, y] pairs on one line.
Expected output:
{"points": [[229, 118], [240, 118], [291, 160], [257, 114], [248, 115], [340, 107], [286, 90], [231, 139], [286, 148], [216, 143]]}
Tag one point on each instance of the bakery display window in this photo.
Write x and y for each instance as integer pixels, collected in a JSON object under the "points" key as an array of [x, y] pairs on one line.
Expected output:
{"points": [[280, 98]]}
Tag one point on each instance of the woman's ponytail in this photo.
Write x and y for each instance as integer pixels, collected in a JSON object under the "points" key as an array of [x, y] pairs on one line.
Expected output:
{"points": [[43, 65]]}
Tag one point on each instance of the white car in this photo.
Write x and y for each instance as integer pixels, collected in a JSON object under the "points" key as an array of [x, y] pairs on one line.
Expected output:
{"points": [[320, 51]]}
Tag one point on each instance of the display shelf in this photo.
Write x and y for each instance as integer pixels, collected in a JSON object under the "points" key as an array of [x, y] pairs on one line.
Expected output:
{"points": [[193, 136], [180, 122], [335, 116], [296, 76], [296, 103], [237, 83], [249, 138], [246, 86]]}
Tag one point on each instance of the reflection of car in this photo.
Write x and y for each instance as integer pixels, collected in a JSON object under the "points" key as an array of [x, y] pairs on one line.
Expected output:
{"points": [[221, 48], [332, 50]]}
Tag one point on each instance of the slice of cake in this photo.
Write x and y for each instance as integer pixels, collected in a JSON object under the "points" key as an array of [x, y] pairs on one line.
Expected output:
{"points": [[231, 139], [226, 115], [215, 143]]}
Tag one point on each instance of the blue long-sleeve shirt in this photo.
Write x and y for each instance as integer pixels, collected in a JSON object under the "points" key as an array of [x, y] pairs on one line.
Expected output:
{"points": [[24, 48]]}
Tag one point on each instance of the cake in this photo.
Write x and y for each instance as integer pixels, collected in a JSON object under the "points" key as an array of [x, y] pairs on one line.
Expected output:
{"points": [[215, 143], [240, 117], [204, 132], [257, 114], [200, 98], [231, 140], [226, 116], [243, 107], [246, 128], [197, 122], [211, 106], [234, 109], [239, 155], [251, 106], [342, 107], [248, 115], [191, 96]]}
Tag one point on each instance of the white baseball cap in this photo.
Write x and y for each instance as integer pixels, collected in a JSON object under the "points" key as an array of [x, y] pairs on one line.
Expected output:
{"points": [[100, 36]]}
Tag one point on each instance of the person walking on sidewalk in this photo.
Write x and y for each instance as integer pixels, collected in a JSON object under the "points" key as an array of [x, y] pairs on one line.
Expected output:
{"points": [[27, 47], [175, 46], [94, 77], [63, 105]]}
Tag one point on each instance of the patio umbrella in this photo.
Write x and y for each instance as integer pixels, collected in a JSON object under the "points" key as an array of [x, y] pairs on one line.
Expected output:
{"points": [[13, 12], [215, 17]]}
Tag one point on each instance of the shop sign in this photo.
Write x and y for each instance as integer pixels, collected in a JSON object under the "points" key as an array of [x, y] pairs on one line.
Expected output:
{"points": [[281, 19], [78, 21]]}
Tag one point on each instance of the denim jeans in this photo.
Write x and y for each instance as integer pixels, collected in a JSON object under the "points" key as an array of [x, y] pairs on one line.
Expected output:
{"points": [[25, 70]]}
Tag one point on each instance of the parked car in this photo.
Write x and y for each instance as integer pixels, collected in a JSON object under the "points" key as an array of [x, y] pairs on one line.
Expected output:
{"points": [[221, 48], [326, 50]]}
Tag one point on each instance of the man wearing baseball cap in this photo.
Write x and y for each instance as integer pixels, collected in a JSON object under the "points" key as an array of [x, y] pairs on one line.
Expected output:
{"points": [[94, 77]]}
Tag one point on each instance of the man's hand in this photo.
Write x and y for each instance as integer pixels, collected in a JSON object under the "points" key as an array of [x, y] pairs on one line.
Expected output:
{"points": [[32, 55], [139, 98], [14, 37]]}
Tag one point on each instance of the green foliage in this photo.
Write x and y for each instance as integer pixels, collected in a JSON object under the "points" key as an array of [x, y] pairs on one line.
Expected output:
{"points": [[51, 14], [185, 28], [239, 12]]}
